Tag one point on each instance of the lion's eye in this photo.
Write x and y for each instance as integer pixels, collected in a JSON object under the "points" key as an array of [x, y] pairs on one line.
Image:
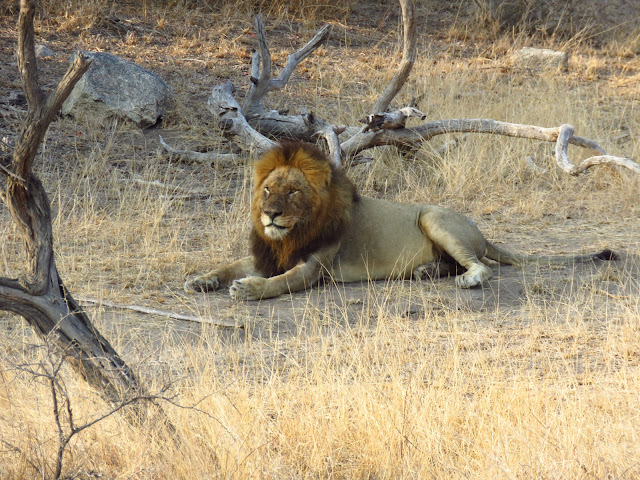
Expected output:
{"points": [[267, 191], [293, 192]]}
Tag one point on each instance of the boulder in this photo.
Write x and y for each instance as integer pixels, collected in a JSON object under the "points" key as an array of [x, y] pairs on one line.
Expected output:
{"points": [[42, 51], [113, 87], [540, 58]]}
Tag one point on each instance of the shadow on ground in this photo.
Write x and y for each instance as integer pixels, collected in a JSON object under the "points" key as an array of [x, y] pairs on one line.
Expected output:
{"points": [[512, 296]]}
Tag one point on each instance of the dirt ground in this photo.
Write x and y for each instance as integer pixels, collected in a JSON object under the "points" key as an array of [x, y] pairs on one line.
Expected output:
{"points": [[508, 301], [192, 67]]}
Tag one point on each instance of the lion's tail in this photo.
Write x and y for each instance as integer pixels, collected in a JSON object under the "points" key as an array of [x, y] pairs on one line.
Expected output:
{"points": [[508, 258]]}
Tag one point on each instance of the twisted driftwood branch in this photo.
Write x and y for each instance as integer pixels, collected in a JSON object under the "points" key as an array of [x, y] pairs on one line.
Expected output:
{"points": [[252, 124], [261, 81], [564, 138], [416, 135], [228, 113]]}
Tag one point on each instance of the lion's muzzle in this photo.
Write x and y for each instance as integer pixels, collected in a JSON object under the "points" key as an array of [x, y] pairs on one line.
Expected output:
{"points": [[274, 224]]}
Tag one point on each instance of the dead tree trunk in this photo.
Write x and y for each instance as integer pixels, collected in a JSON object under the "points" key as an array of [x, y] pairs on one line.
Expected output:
{"points": [[254, 127], [40, 296]]}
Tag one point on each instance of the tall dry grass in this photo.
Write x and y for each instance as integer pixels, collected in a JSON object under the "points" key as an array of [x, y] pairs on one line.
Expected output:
{"points": [[550, 393], [543, 388]]}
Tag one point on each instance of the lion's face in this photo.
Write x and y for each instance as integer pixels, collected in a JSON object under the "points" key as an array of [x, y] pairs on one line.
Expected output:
{"points": [[299, 201], [285, 200]]}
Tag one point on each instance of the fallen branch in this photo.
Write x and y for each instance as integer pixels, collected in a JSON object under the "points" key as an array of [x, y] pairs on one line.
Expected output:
{"points": [[330, 134], [198, 157], [253, 125], [162, 313], [384, 127], [564, 137], [229, 116], [272, 123], [421, 133], [261, 81]]}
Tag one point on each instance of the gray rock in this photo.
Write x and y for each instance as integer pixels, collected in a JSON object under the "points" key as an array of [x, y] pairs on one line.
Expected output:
{"points": [[42, 51], [540, 58], [113, 87]]}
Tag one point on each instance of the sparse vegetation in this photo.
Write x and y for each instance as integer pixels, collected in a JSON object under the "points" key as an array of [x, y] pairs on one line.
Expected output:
{"points": [[534, 376]]}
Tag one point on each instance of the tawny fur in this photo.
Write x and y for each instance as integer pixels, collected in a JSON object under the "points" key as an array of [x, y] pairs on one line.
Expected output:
{"points": [[309, 222]]}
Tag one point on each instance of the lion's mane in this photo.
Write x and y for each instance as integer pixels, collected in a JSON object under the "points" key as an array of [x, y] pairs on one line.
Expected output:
{"points": [[331, 195]]}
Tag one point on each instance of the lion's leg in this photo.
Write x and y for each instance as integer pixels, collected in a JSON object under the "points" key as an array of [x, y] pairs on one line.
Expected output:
{"points": [[431, 270], [455, 235], [298, 278], [222, 277]]}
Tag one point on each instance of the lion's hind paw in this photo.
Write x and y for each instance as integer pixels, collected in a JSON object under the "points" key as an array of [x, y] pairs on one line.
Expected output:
{"points": [[476, 275]]}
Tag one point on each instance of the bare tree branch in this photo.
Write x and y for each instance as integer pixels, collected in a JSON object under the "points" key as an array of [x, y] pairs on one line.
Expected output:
{"points": [[198, 157], [253, 125], [564, 137], [261, 81], [228, 113], [164, 313], [260, 64], [298, 57], [330, 134], [41, 111], [27, 54], [417, 135], [409, 47]]}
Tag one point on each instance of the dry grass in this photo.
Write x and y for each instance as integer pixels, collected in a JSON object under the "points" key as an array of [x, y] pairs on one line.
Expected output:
{"points": [[541, 385]]}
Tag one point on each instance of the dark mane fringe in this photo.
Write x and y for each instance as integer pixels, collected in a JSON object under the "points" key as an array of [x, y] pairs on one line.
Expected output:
{"points": [[274, 257]]}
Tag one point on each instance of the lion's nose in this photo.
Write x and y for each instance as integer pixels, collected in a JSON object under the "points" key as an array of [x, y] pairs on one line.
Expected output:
{"points": [[272, 213]]}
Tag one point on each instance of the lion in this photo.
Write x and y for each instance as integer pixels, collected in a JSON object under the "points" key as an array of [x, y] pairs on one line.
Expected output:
{"points": [[309, 222]]}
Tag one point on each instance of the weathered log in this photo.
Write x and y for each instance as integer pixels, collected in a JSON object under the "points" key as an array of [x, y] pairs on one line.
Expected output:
{"points": [[228, 113], [330, 134], [421, 133]]}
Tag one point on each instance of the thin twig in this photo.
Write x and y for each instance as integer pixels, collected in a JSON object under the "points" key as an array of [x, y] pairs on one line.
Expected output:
{"points": [[24, 456], [163, 313]]}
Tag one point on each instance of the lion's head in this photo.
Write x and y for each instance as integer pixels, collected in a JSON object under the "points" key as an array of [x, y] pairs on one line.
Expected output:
{"points": [[300, 203]]}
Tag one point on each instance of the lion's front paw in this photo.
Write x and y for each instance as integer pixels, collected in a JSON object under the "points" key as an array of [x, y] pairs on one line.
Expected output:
{"points": [[249, 288], [203, 283]]}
